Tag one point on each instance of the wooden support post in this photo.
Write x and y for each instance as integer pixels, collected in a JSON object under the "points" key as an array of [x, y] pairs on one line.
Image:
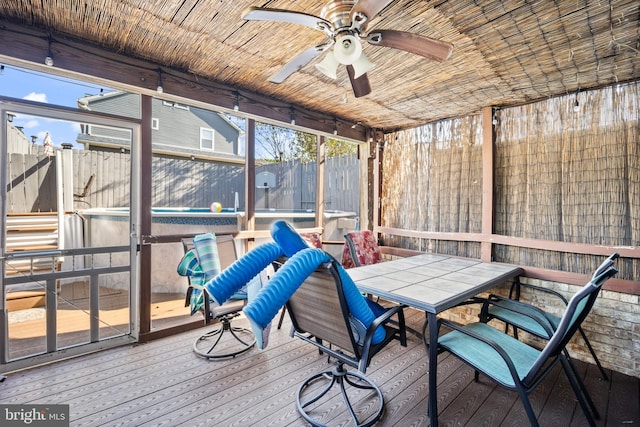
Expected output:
{"points": [[320, 165], [145, 214], [488, 139], [250, 181]]}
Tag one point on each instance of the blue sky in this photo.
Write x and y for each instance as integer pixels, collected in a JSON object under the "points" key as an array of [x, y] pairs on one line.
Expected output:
{"points": [[34, 86], [31, 85]]}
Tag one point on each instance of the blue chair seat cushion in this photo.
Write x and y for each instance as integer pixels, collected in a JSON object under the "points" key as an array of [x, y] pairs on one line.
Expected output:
{"points": [[485, 358]]}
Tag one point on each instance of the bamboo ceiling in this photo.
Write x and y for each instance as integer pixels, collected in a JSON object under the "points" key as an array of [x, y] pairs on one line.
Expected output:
{"points": [[505, 52]]}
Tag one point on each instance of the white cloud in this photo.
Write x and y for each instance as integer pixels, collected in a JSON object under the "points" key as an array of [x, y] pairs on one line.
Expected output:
{"points": [[75, 127], [30, 124], [38, 97]]}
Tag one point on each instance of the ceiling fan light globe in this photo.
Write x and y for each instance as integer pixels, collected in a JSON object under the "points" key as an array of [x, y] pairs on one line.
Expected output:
{"points": [[347, 50], [362, 66], [329, 66]]}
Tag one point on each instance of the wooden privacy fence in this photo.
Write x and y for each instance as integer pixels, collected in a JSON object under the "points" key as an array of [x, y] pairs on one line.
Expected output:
{"points": [[296, 185], [31, 183], [102, 179]]}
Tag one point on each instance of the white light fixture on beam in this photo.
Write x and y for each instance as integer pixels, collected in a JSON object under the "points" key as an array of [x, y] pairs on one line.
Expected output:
{"points": [[48, 60], [160, 88], [236, 103]]}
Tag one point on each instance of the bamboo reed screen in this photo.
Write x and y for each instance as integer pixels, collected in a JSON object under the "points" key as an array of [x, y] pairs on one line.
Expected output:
{"points": [[433, 182], [560, 175], [569, 176]]}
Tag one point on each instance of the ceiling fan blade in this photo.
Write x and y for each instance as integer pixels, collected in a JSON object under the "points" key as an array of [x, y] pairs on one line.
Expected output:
{"points": [[283, 15], [360, 86], [413, 43], [298, 62], [365, 10]]}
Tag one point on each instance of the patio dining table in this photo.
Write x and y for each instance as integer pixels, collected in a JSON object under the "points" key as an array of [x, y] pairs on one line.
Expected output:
{"points": [[433, 283]]}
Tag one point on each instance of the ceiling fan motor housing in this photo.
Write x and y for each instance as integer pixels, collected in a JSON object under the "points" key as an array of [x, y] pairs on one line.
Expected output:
{"points": [[337, 13]]}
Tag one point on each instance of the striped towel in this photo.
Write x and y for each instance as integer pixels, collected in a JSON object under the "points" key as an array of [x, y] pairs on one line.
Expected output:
{"points": [[189, 264], [207, 251], [200, 264]]}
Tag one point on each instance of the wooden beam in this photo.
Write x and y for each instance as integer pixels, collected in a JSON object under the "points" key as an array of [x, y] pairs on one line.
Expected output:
{"points": [[321, 161], [250, 181], [26, 46], [549, 245], [378, 154], [617, 285], [145, 215], [488, 139]]}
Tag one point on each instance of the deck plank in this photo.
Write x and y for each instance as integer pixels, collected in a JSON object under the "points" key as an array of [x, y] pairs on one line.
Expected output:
{"points": [[163, 383]]}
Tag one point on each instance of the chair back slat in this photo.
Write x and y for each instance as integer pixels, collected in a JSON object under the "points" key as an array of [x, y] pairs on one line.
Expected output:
{"points": [[226, 250], [316, 308], [227, 255]]}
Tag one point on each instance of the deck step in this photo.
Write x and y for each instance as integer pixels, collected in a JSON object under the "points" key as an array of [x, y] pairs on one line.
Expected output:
{"points": [[23, 300], [31, 231]]}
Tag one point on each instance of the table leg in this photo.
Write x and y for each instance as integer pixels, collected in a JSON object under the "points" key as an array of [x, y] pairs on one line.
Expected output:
{"points": [[433, 367]]}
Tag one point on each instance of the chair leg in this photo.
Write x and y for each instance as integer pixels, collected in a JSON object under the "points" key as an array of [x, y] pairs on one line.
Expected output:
{"points": [[340, 377], [282, 313], [207, 345], [576, 390], [583, 389], [402, 329], [593, 354], [527, 408]]}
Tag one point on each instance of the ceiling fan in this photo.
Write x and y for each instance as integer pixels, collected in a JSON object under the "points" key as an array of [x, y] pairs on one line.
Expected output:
{"points": [[344, 22]]}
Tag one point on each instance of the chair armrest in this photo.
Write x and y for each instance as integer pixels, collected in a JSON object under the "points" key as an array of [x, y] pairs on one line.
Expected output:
{"points": [[333, 242], [472, 334], [518, 284], [208, 315], [386, 316], [380, 320]]}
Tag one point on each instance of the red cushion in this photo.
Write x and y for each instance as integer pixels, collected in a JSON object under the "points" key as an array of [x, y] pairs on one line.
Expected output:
{"points": [[313, 239], [367, 250]]}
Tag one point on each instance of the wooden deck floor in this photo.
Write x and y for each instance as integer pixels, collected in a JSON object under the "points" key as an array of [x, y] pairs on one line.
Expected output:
{"points": [[164, 383]]}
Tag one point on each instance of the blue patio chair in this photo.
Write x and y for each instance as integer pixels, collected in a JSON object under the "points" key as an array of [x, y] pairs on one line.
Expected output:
{"points": [[321, 314], [542, 324], [516, 365], [205, 256], [500, 309]]}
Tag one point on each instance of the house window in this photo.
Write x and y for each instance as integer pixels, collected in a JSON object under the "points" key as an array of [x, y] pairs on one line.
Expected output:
{"points": [[155, 123], [206, 139]]}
